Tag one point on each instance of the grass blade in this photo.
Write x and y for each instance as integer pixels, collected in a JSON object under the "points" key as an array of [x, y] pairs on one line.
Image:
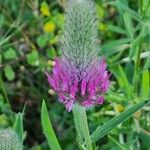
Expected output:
{"points": [[107, 127], [47, 128], [145, 91], [120, 146], [18, 126], [116, 29], [125, 82], [124, 7], [113, 47]]}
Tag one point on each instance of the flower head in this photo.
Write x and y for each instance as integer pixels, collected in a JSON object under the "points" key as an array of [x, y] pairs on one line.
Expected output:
{"points": [[45, 9], [84, 87], [79, 76], [49, 26]]}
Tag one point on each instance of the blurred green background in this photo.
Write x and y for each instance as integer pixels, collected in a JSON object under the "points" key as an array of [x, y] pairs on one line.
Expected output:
{"points": [[30, 32]]}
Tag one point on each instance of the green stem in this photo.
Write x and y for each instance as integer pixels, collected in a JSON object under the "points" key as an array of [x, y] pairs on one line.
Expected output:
{"points": [[4, 91], [136, 68], [80, 120], [137, 60]]}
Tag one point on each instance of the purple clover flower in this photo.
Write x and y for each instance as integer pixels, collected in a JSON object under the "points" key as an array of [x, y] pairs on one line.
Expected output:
{"points": [[86, 88], [78, 76]]}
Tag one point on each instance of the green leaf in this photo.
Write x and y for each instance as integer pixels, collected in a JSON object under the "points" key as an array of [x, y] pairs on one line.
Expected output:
{"points": [[108, 126], [120, 146], [18, 125], [128, 25], [115, 46], [125, 82], [10, 54], [144, 136], [123, 7], [47, 128], [2, 99], [33, 58], [51, 53], [0, 58], [43, 39], [145, 90], [116, 29], [9, 73], [133, 46], [114, 97], [147, 64]]}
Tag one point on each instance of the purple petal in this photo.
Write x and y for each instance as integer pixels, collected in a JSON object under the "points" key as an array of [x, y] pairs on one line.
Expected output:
{"points": [[69, 105], [72, 91], [100, 100], [83, 87], [87, 103], [92, 88]]}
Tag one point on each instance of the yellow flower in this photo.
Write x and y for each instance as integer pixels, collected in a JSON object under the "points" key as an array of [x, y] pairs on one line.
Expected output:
{"points": [[49, 27], [4, 122], [101, 11], [44, 9], [138, 114], [102, 27], [120, 108]]}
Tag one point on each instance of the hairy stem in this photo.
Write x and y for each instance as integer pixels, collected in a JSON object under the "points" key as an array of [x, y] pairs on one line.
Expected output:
{"points": [[80, 120]]}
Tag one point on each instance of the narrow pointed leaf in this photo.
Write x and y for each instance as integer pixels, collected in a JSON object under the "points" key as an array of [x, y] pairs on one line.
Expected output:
{"points": [[145, 84], [107, 127], [120, 146], [47, 128], [18, 126]]}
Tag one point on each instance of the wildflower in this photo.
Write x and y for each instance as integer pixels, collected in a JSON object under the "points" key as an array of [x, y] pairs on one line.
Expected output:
{"points": [[138, 114], [45, 9], [120, 108], [4, 121], [49, 27], [102, 27], [78, 75], [101, 11]]}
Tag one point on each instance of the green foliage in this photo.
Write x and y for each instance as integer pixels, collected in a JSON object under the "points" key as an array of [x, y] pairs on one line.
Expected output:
{"points": [[9, 73], [145, 89], [51, 53], [0, 58], [4, 120], [27, 44], [108, 126], [33, 58], [42, 40], [18, 125], [120, 146], [47, 128], [10, 54], [144, 136]]}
